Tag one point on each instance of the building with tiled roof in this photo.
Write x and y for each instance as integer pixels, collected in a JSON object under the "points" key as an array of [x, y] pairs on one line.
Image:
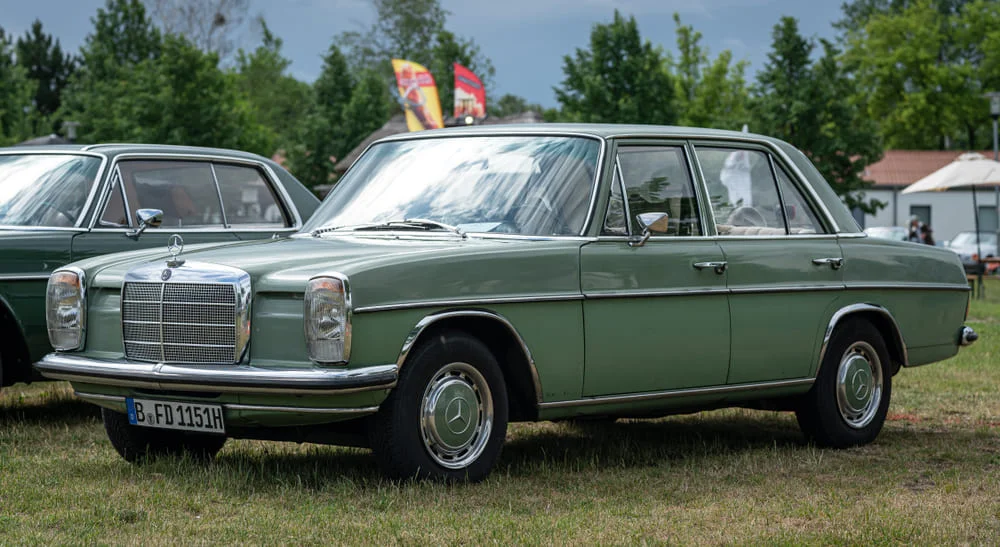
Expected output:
{"points": [[948, 213]]}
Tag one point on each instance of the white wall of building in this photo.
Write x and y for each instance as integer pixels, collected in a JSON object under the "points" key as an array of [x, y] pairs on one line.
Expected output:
{"points": [[951, 211]]}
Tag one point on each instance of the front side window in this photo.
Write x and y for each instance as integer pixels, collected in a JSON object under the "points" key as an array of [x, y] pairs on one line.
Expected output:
{"points": [[657, 180], [45, 189], [742, 191], [528, 185], [184, 190], [115, 215]]}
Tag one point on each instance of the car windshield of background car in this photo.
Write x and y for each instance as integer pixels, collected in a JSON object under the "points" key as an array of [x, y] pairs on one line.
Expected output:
{"points": [[45, 189]]}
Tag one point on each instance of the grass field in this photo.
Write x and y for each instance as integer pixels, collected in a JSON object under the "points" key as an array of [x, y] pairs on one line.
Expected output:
{"points": [[732, 476]]}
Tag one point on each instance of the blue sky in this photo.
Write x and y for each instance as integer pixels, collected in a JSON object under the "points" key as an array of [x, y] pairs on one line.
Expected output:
{"points": [[526, 39]]}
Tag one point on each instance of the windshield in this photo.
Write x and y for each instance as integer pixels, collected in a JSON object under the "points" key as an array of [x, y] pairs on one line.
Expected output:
{"points": [[537, 186], [969, 239], [45, 189]]}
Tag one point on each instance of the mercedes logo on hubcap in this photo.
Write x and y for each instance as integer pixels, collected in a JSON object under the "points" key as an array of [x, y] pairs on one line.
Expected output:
{"points": [[457, 415], [860, 385]]}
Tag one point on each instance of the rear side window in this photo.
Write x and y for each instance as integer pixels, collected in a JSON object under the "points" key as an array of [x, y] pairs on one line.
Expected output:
{"points": [[801, 218], [247, 198], [657, 180]]}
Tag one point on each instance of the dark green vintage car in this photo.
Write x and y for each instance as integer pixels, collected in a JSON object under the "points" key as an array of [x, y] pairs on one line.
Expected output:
{"points": [[65, 203], [457, 280]]}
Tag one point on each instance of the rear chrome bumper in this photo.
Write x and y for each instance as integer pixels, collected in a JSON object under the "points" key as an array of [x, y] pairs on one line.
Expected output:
{"points": [[967, 336], [216, 378]]}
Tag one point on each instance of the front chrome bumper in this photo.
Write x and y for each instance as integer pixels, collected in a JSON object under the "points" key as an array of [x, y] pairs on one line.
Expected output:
{"points": [[216, 378]]}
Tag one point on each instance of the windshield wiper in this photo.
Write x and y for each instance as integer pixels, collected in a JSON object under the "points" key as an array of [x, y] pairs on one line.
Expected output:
{"points": [[418, 223]]}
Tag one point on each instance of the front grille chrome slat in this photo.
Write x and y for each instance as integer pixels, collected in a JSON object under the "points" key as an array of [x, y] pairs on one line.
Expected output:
{"points": [[180, 322]]}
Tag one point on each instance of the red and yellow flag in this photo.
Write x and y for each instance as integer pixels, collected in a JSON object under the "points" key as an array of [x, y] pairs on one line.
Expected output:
{"points": [[419, 95], [470, 94]]}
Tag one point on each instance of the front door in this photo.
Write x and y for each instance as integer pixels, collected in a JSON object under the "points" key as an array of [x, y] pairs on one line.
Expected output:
{"points": [[783, 269], [656, 316]]}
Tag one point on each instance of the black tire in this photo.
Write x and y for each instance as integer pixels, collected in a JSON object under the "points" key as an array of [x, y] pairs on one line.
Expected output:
{"points": [[833, 418], [137, 444], [404, 433]]}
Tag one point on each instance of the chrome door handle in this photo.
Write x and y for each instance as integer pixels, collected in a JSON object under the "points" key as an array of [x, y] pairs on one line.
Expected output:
{"points": [[719, 267], [834, 262]]}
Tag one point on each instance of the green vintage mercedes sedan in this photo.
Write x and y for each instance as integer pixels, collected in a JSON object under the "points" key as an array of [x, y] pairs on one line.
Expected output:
{"points": [[457, 280], [59, 204]]}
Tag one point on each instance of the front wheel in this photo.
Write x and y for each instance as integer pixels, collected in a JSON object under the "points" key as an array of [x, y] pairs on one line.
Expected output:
{"points": [[446, 419], [136, 443], [848, 403]]}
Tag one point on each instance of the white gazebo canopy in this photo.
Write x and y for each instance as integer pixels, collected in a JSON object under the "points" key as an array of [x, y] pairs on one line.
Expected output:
{"points": [[971, 169]]}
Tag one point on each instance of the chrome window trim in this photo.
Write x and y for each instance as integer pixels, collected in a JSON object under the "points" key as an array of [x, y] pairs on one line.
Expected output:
{"points": [[94, 187], [672, 393], [598, 174], [25, 277], [857, 308], [470, 301], [105, 200], [348, 317], [429, 320], [97, 398], [218, 192], [394, 234], [270, 177], [825, 212], [781, 195]]}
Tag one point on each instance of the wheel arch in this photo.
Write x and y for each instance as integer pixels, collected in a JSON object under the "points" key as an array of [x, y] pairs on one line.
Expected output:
{"points": [[15, 359], [878, 316], [524, 390]]}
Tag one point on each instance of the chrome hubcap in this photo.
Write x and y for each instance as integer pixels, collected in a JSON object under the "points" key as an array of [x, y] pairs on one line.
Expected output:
{"points": [[456, 415], [859, 385]]}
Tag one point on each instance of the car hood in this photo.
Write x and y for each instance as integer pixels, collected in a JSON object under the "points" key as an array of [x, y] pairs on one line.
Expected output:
{"points": [[382, 268]]}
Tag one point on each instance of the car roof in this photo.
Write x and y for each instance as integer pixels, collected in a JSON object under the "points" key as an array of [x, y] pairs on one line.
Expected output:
{"points": [[114, 149], [601, 130]]}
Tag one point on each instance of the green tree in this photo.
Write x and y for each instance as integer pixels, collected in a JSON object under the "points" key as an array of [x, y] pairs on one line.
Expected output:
{"points": [[509, 104], [708, 94], [47, 66], [620, 79], [414, 30], [809, 105], [919, 70], [367, 110], [323, 139], [279, 101], [15, 96], [156, 89]]}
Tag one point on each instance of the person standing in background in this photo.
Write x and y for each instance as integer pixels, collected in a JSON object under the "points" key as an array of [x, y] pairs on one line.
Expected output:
{"points": [[926, 234]]}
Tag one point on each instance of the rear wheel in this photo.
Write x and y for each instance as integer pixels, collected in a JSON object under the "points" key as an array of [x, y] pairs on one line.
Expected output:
{"points": [[136, 444], [848, 403], [447, 417]]}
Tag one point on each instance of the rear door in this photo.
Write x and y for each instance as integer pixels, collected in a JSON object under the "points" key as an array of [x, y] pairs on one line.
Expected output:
{"points": [[784, 269]]}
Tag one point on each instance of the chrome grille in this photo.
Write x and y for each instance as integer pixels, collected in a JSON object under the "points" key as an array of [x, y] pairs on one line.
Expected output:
{"points": [[180, 322]]}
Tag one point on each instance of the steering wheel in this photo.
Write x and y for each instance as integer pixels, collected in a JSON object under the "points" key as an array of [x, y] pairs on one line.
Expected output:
{"points": [[49, 206], [746, 216]]}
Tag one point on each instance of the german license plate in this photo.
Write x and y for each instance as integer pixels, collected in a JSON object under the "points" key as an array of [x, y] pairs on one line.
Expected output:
{"points": [[175, 415]]}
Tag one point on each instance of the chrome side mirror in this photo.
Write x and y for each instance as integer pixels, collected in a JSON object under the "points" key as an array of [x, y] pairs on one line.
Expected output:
{"points": [[658, 223], [146, 218]]}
